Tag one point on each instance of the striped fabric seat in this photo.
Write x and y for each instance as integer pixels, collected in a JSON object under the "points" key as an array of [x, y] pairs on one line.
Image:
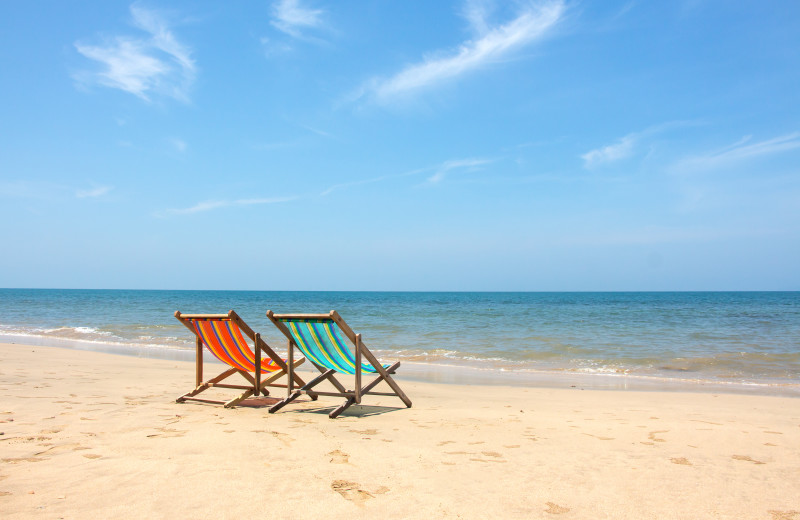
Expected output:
{"points": [[225, 341], [321, 338], [321, 342]]}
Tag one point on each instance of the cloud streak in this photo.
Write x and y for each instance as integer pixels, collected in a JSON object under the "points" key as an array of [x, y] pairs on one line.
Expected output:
{"points": [[625, 147], [155, 63], [492, 43], [460, 164], [93, 193], [738, 152], [622, 149], [439, 174], [201, 207], [291, 18]]}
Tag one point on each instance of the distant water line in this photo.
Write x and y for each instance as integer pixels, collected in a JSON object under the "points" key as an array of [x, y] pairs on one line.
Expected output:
{"points": [[746, 338]]}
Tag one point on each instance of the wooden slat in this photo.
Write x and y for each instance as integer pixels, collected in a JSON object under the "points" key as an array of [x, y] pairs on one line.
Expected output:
{"points": [[358, 368], [257, 387], [290, 370], [198, 360], [204, 316], [302, 316], [210, 401], [334, 394], [232, 387]]}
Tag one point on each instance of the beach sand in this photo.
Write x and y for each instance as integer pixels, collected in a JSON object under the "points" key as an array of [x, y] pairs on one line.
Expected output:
{"points": [[93, 435]]}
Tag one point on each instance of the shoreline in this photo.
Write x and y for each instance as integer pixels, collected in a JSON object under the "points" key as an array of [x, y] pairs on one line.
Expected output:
{"points": [[96, 435], [460, 373], [452, 373]]}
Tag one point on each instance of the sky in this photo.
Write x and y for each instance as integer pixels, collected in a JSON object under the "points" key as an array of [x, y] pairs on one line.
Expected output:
{"points": [[467, 145]]}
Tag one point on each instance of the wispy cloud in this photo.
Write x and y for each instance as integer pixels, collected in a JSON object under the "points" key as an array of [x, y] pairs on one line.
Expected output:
{"points": [[99, 191], [439, 173], [372, 180], [154, 63], [460, 164], [218, 204], [492, 43], [738, 152], [290, 17], [627, 145], [622, 149]]}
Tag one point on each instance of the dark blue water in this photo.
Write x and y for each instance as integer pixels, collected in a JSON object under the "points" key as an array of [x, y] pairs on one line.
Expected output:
{"points": [[750, 337]]}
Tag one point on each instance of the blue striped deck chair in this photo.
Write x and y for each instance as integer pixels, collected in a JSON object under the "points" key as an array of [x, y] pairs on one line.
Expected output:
{"points": [[319, 338], [223, 336]]}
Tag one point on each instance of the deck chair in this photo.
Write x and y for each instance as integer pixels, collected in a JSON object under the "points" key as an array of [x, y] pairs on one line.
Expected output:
{"points": [[318, 337], [222, 335]]}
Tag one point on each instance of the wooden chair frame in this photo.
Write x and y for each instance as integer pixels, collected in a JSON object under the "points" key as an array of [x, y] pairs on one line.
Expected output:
{"points": [[351, 396], [256, 385]]}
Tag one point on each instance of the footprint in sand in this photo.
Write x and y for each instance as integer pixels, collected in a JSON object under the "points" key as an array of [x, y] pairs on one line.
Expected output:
{"points": [[555, 509], [652, 435], [22, 459], [747, 459], [61, 448], [285, 438], [92, 456], [168, 432], [680, 460], [352, 491], [370, 431], [4, 493], [784, 515], [339, 457], [445, 442], [599, 437]]}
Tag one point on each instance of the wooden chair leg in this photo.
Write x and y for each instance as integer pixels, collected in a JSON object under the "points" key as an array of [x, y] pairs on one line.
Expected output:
{"points": [[286, 401], [334, 414], [234, 402]]}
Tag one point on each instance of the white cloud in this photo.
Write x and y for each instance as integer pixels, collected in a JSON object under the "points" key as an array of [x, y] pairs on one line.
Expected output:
{"points": [[626, 146], [449, 166], [156, 63], [439, 173], [211, 205], [477, 12], [493, 43], [738, 152], [94, 192], [622, 149], [291, 17], [372, 180]]}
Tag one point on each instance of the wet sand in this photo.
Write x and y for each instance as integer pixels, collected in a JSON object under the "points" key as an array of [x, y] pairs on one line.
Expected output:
{"points": [[93, 435]]}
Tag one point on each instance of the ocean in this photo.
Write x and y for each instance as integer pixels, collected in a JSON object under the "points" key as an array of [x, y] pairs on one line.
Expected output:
{"points": [[747, 340]]}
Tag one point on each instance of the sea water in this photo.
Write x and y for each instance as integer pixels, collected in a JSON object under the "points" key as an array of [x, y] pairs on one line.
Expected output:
{"points": [[741, 338]]}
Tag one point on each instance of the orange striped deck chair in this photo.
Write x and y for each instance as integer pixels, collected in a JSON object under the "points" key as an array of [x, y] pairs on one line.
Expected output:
{"points": [[223, 335]]}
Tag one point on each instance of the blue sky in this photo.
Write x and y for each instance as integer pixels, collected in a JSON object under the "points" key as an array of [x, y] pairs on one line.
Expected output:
{"points": [[374, 145]]}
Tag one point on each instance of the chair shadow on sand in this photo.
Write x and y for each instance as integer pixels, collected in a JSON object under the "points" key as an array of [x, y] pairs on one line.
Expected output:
{"points": [[354, 411], [358, 410]]}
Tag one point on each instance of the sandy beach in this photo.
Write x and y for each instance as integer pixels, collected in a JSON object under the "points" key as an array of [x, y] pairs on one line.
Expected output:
{"points": [[93, 435]]}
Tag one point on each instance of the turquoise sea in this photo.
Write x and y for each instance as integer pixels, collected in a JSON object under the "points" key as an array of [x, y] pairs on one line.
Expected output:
{"points": [[745, 339]]}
